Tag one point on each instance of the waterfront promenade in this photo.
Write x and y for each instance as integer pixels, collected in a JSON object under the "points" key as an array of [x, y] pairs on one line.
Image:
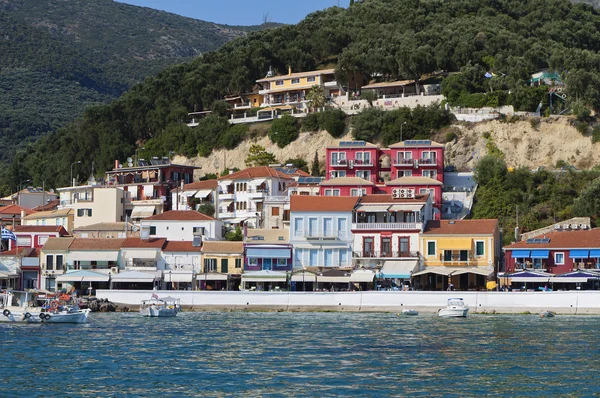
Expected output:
{"points": [[563, 302]]}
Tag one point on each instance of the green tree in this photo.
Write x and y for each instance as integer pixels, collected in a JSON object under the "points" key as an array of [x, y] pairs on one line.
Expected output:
{"points": [[298, 163], [334, 121], [370, 96], [236, 235], [207, 208], [315, 170], [284, 130], [316, 97], [258, 156]]}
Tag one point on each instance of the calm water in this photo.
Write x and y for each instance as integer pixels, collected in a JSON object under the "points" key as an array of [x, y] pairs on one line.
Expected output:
{"points": [[302, 354]]}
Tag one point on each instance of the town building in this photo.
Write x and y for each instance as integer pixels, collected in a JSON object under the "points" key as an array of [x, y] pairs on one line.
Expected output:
{"points": [[94, 204], [267, 249], [63, 217], [12, 215], [31, 197], [195, 194], [182, 225], [107, 230], [222, 266], [182, 263]]}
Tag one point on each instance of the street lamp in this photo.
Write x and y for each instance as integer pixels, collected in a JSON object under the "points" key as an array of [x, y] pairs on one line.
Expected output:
{"points": [[401, 130], [73, 164], [22, 183], [137, 159]]}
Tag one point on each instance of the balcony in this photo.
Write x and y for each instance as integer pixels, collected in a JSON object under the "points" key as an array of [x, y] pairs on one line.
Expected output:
{"points": [[362, 163], [403, 163], [339, 163], [322, 234], [393, 254], [388, 226], [244, 105], [427, 162]]}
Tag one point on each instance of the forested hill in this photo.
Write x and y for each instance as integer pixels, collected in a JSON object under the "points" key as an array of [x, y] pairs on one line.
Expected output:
{"points": [[392, 39], [58, 57]]}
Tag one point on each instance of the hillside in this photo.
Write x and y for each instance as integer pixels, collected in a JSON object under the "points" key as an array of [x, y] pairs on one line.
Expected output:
{"points": [[59, 57]]}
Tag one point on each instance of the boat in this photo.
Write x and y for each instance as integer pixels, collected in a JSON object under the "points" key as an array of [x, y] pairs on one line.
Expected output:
{"points": [[53, 310], [547, 314], [456, 308], [160, 307], [410, 312]]}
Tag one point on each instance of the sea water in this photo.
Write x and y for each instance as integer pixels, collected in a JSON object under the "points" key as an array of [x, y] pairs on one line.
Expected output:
{"points": [[302, 354]]}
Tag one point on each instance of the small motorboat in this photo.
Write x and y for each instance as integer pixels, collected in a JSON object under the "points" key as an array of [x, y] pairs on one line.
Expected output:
{"points": [[456, 308], [410, 312], [52, 311], [547, 314], [160, 307]]}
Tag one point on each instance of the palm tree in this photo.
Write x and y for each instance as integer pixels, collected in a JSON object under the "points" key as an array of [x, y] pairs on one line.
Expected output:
{"points": [[316, 97]]}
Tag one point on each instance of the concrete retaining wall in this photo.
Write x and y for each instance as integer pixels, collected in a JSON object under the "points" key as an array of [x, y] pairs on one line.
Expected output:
{"points": [[568, 302]]}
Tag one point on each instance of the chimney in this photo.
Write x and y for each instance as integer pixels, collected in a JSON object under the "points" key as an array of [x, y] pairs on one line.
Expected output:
{"points": [[231, 171], [22, 214], [289, 70], [116, 164]]}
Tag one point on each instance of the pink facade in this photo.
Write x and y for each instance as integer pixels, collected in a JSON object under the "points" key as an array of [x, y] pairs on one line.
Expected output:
{"points": [[417, 160], [354, 161], [557, 261], [348, 190]]}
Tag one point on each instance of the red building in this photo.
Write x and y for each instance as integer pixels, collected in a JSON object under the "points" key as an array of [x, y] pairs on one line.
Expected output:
{"points": [[406, 169], [35, 236]]}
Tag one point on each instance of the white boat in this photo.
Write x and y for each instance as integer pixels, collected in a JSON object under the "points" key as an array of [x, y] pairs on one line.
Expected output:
{"points": [[160, 307], [52, 311], [547, 314], [410, 312], [456, 308]]}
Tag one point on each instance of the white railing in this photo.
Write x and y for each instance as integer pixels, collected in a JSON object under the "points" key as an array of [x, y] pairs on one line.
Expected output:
{"points": [[277, 199], [387, 226], [321, 234]]}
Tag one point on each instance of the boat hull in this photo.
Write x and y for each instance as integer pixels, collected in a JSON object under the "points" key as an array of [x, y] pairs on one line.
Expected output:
{"points": [[159, 312], [454, 312], [48, 317], [410, 312]]}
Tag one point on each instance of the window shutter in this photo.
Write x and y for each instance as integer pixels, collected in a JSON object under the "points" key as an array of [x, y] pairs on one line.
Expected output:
{"points": [[224, 265]]}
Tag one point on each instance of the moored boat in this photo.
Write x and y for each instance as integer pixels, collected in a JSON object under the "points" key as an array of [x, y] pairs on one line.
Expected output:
{"points": [[410, 312], [456, 308], [54, 310], [547, 314], [160, 307]]}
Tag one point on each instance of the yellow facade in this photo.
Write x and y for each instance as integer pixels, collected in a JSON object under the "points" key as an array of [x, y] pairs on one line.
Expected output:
{"points": [[231, 264], [458, 251]]}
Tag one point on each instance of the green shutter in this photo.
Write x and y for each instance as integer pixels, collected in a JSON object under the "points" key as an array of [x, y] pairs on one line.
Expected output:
{"points": [[224, 265]]}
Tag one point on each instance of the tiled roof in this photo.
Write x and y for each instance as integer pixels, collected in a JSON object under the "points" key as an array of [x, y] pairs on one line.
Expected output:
{"points": [[96, 244], [180, 246], [377, 198], [461, 227], [322, 203], [354, 181], [52, 205], [397, 83], [15, 209], [564, 240], [269, 236], [402, 145], [206, 184], [180, 215], [57, 244], [49, 214], [298, 75], [22, 252], [105, 226], [41, 228], [414, 181], [222, 247], [138, 243], [255, 172]]}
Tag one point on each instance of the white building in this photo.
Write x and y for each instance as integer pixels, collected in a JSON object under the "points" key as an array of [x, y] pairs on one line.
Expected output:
{"points": [[195, 194], [33, 197], [93, 204], [182, 225]]}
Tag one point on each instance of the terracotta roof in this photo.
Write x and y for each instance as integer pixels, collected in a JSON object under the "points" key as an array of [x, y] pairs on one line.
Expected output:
{"points": [[52, 205], [255, 172], [222, 247], [206, 184], [402, 145], [138, 243], [414, 181], [298, 75], [322, 203], [270, 236], [563, 239], [15, 209], [180, 215], [96, 244], [397, 83], [57, 244], [49, 214], [354, 181], [180, 246], [461, 227], [105, 226], [41, 228], [384, 198], [22, 252]]}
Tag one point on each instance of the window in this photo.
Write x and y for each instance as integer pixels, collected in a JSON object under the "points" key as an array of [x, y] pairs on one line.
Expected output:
{"points": [[298, 253], [295, 81], [210, 264], [253, 261], [274, 211], [153, 230], [431, 248], [404, 246], [343, 257], [197, 230], [24, 241], [404, 173], [84, 212], [386, 246], [430, 173], [298, 226], [314, 257], [358, 192], [238, 263], [279, 83], [430, 191], [464, 255], [341, 227], [59, 261], [311, 79], [479, 248], [338, 158], [428, 158], [447, 255], [363, 158], [559, 258], [368, 246], [328, 257], [365, 174], [281, 262], [49, 262], [42, 240], [332, 192], [404, 157], [224, 265], [336, 174]]}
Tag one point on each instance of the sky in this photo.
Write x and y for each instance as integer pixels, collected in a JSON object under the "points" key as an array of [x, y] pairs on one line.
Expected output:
{"points": [[240, 12]]}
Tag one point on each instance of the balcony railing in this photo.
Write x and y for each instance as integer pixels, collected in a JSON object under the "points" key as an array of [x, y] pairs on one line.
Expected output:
{"points": [[432, 162], [403, 162], [321, 234], [365, 163], [340, 162], [399, 226], [391, 254]]}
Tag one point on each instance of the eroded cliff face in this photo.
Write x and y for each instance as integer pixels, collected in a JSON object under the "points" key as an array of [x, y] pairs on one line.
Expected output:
{"points": [[524, 144]]}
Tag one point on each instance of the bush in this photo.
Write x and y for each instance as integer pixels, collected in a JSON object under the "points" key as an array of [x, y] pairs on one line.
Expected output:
{"points": [[207, 208], [334, 121], [535, 123], [234, 136], [310, 122], [596, 134], [582, 127], [284, 131], [450, 136]]}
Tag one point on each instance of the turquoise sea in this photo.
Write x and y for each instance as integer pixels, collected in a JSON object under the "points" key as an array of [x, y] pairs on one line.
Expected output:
{"points": [[302, 354]]}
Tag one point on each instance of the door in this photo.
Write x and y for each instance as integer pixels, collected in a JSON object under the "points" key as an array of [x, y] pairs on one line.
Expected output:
{"points": [[314, 257], [464, 255], [267, 264], [341, 229], [313, 227], [328, 227], [224, 265], [386, 247], [368, 246], [404, 246], [328, 257]]}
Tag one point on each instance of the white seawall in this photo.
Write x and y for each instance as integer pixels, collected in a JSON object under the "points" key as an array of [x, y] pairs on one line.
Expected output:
{"points": [[568, 302]]}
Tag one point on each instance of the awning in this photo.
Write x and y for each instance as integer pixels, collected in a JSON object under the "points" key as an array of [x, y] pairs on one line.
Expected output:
{"points": [[133, 276], [483, 271], [236, 220], [572, 279], [211, 277], [400, 207], [520, 254], [225, 203], [150, 254], [373, 208], [579, 254], [398, 269], [269, 253], [264, 276], [203, 193], [521, 279], [435, 270], [362, 276], [142, 211], [178, 276], [89, 255], [333, 279], [540, 253], [455, 243], [8, 275], [256, 182], [82, 276], [189, 193], [595, 253], [303, 277]]}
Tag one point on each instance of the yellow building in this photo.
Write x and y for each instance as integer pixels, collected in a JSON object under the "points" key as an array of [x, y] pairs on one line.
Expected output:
{"points": [[222, 264], [458, 254], [63, 217]]}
